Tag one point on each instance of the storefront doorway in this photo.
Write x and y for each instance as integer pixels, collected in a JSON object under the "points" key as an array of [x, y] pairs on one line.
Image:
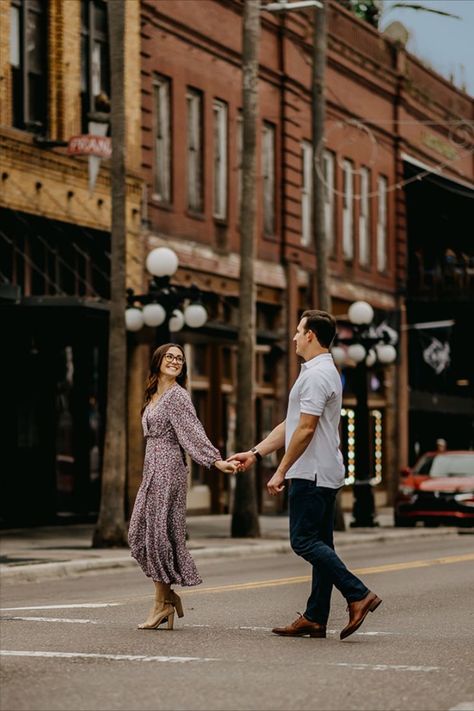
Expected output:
{"points": [[53, 372]]}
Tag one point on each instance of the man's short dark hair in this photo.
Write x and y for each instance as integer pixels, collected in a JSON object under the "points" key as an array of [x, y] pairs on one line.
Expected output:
{"points": [[322, 324]]}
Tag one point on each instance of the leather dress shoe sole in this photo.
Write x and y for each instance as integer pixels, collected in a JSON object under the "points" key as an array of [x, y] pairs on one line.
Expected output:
{"points": [[315, 635], [282, 632]]}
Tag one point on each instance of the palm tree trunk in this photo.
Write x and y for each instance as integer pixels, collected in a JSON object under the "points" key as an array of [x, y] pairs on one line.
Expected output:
{"points": [[245, 521], [318, 115], [111, 529]]}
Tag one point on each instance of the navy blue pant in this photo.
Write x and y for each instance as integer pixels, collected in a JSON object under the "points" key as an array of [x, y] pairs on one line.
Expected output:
{"points": [[312, 510]]}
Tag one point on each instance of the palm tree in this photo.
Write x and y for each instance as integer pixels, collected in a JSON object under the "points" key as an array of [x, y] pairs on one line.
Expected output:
{"points": [[111, 529], [245, 521], [318, 112]]}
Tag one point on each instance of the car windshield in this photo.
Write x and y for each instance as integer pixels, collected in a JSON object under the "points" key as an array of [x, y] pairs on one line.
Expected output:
{"points": [[450, 465]]}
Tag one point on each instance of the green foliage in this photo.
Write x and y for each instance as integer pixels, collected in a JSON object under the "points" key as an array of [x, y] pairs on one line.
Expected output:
{"points": [[371, 10], [368, 10]]}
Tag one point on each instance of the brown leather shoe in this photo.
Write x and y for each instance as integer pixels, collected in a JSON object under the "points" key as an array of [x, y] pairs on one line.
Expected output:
{"points": [[300, 628], [358, 611]]}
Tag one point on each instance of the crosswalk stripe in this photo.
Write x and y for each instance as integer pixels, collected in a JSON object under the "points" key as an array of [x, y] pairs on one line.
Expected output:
{"points": [[113, 657]]}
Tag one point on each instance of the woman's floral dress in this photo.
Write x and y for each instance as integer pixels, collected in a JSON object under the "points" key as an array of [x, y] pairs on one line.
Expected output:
{"points": [[157, 532]]}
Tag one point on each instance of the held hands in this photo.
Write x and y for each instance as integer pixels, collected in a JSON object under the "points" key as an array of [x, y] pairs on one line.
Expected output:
{"points": [[226, 466], [242, 460]]}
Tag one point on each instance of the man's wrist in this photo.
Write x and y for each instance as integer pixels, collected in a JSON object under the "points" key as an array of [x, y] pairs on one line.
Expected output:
{"points": [[257, 454]]}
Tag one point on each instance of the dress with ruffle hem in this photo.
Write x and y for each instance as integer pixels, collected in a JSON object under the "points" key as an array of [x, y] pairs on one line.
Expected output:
{"points": [[157, 531]]}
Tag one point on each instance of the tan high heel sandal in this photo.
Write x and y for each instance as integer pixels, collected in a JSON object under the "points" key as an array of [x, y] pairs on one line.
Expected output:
{"points": [[165, 613], [176, 602]]}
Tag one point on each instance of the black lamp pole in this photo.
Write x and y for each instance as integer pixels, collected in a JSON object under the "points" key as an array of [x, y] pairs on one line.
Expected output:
{"points": [[363, 510]]}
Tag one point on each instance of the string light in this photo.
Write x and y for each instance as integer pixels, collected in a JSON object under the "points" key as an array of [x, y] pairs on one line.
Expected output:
{"points": [[350, 415], [378, 439]]}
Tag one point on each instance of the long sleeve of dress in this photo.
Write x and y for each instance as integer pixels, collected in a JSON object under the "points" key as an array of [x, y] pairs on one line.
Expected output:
{"points": [[189, 430]]}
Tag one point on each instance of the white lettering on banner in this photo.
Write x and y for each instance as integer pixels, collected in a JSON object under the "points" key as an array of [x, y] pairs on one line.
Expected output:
{"points": [[90, 145]]}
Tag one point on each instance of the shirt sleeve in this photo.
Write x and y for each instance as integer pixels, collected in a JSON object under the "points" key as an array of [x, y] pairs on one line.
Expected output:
{"points": [[314, 395], [189, 430]]}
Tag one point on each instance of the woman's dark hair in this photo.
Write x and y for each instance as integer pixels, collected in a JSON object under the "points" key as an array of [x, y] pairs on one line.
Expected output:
{"points": [[154, 374], [322, 324]]}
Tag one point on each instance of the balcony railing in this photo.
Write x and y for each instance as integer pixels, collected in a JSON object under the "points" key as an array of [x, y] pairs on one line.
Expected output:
{"points": [[446, 277]]}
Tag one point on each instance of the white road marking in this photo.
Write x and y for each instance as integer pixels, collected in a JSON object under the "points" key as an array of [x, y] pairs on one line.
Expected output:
{"points": [[62, 607], [199, 626], [373, 634], [463, 706], [113, 657], [269, 629], [146, 658], [383, 667], [253, 629], [53, 619]]}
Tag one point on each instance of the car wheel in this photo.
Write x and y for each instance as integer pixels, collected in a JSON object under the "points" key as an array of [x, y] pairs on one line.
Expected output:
{"points": [[402, 522], [431, 524]]}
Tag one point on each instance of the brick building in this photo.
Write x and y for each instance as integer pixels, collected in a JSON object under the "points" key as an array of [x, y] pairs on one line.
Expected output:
{"points": [[388, 117], [55, 251]]}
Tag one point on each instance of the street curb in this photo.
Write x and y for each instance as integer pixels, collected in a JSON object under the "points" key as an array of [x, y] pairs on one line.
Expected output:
{"points": [[43, 571]]}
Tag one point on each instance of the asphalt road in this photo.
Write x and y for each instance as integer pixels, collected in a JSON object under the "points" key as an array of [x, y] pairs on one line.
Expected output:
{"points": [[72, 644]]}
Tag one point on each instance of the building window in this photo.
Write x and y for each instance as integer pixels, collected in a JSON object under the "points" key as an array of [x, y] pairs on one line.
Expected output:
{"points": [[194, 102], [268, 165], [382, 224], [220, 160], [348, 211], [162, 105], [306, 192], [95, 66], [28, 59], [329, 162], [364, 218]]}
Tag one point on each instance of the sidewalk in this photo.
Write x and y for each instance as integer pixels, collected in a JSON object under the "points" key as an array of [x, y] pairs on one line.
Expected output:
{"points": [[58, 551]]}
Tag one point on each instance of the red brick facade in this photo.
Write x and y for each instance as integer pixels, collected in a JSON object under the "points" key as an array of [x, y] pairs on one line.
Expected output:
{"points": [[382, 104]]}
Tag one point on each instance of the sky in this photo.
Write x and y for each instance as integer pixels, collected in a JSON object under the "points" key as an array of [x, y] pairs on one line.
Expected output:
{"points": [[445, 43]]}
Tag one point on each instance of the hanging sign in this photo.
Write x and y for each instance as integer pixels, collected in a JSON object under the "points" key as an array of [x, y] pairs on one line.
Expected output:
{"points": [[90, 145]]}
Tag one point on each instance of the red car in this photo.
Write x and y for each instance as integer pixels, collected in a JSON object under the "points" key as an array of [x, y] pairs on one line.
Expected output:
{"points": [[439, 489]]}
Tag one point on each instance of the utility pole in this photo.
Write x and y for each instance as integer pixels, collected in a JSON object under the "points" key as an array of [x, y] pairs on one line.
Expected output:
{"points": [[318, 117], [245, 521], [111, 528]]}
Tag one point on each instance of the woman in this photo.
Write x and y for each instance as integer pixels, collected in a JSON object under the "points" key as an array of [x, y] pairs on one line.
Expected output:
{"points": [[157, 533]]}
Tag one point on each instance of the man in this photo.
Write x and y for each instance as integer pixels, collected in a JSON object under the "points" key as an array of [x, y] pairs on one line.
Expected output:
{"points": [[314, 467], [441, 445]]}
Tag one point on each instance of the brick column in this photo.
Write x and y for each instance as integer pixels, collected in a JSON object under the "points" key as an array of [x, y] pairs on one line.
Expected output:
{"points": [[5, 71]]}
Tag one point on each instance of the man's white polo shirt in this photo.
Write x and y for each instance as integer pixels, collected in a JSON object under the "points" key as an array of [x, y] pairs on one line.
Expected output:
{"points": [[317, 391]]}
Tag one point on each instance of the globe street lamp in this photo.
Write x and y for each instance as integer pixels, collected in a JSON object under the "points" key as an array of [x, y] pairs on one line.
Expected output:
{"points": [[364, 348], [164, 304]]}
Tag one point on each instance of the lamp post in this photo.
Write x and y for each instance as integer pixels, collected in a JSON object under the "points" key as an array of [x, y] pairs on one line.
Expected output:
{"points": [[364, 348], [164, 305]]}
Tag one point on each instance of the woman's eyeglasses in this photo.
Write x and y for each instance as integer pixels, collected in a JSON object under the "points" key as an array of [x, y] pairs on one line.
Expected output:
{"points": [[169, 358]]}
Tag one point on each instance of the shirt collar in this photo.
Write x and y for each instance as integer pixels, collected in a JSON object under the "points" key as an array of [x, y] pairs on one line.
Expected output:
{"points": [[317, 360]]}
